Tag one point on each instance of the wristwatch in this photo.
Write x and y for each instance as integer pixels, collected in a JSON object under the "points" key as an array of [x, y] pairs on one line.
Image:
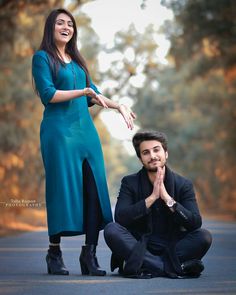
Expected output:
{"points": [[170, 203]]}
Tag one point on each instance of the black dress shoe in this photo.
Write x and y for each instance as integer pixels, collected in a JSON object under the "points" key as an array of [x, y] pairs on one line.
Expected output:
{"points": [[117, 262], [140, 275], [192, 268], [56, 264]]}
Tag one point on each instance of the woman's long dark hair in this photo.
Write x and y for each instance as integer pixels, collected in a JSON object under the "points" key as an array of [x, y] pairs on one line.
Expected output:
{"points": [[48, 43]]}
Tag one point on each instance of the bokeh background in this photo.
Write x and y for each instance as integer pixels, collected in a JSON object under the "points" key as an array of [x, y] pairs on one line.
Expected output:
{"points": [[172, 61]]}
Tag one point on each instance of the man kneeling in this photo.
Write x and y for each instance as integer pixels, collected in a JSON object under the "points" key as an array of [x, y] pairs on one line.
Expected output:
{"points": [[158, 225]]}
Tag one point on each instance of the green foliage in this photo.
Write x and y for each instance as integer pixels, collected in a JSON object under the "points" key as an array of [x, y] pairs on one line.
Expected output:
{"points": [[198, 21]]}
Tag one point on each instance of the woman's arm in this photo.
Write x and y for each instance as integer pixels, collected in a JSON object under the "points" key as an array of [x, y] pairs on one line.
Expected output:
{"points": [[64, 95]]}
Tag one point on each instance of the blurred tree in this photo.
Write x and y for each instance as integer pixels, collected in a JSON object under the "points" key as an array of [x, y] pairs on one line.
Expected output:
{"points": [[208, 27], [132, 57], [195, 98], [192, 99]]}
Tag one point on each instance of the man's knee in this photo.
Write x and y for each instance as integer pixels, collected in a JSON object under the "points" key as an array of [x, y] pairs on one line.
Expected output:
{"points": [[203, 240], [111, 231], [205, 237]]}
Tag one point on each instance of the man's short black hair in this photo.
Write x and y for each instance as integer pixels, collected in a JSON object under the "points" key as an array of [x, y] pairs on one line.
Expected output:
{"points": [[145, 135]]}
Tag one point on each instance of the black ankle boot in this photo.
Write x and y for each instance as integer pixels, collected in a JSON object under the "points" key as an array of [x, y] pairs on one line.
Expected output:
{"points": [[55, 264], [89, 263]]}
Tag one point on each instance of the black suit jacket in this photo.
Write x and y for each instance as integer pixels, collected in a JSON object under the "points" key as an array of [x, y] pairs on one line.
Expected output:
{"points": [[131, 211]]}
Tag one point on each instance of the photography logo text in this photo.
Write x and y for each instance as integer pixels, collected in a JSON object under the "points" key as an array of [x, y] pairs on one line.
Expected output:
{"points": [[13, 202]]}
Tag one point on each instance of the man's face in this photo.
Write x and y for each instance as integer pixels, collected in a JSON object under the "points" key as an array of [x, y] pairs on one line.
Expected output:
{"points": [[152, 155]]}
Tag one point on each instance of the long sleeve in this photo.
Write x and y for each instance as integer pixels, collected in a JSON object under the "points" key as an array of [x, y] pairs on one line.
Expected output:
{"points": [[186, 211], [43, 78], [95, 89], [128, 210]]}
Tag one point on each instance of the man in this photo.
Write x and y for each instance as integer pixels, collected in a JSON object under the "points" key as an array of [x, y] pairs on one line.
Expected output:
{"points": [[157, 229]]}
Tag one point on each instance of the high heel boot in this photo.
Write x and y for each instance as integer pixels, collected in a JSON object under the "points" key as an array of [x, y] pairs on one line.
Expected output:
{"points": [[56, 264], [89, 263]]}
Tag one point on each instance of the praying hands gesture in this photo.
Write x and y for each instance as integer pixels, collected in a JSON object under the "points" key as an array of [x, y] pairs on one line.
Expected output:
{"points": [[159, 190]]}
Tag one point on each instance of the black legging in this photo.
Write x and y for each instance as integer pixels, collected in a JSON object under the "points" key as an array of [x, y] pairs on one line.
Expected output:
{"points": [[92, 209]]}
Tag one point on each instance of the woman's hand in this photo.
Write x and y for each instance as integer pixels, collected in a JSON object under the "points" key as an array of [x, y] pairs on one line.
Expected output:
{"points": [[101, 100], [128, 115], [98, 98]]}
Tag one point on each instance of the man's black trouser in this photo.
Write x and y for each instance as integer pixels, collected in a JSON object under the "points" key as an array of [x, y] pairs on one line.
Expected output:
{"points": [[192, 245]]}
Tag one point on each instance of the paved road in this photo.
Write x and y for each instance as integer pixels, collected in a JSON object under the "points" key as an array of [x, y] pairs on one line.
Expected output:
{"points": [[23, 269]]}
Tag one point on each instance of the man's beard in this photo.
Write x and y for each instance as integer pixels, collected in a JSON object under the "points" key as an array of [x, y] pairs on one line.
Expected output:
{"points": [[152, 169]]}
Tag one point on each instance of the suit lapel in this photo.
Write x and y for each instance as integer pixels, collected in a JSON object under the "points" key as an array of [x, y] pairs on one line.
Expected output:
{"points": [[145, 186]]}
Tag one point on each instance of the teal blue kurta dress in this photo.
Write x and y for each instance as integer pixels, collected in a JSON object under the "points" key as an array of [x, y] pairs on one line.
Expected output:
{"points": [[68, 137]]}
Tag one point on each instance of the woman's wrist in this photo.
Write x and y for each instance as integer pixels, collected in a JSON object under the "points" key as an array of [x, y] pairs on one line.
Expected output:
{"points": [[84, 92], [119, 106]]}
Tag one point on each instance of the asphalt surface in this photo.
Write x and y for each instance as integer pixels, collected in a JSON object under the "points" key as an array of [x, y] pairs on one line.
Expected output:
{"points": [[23, 268]]}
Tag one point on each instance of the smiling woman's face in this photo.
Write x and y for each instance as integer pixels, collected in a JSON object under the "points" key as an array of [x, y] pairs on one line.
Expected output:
{"points": [[64, 29]]}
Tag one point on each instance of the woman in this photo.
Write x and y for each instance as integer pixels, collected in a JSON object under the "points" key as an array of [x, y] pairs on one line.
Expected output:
{"points": [[77, 197]]}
